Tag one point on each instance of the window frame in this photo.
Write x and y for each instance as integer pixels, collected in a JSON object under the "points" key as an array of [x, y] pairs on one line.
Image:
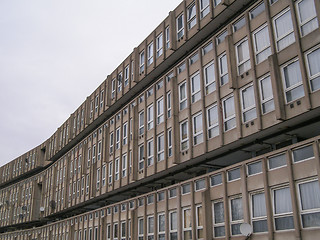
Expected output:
{"points": [[183, 104], [255, 45], [160, 152], [180, 31], [219, 224], [160, 110], [223, 75], [150, 113], [150, 152], [150, 53], [141, 62], [191, 16], [159, 45], [245, 60], [249, 108], [261, 94], [199, 134], [315, 76], [310, 19], [184, 140], [233, 116]]}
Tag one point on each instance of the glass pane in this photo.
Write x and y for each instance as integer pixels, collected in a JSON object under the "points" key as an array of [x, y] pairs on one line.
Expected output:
{"points": [[200, 184], [256, 11], [282, 201], [218, 209], [174, 236], [173, 221], [197, 121], [187, 235], [284, 223], [259, 205], [243, 51], [283, 24], [306, 9], [216, 179], [303, 153], [295, 93], [248, 97], [228, 107], [262, 39], [187, 223], [234, 174], [254, 168], [292, 74], [310, 195], [219, 231], [311, 220], [277, 161], [260, 226], [266, 88], [235, 229], [239, 24], [236, 209]]}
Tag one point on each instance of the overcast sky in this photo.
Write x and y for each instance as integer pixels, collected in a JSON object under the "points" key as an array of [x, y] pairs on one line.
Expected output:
{"points": [[47, 47]]}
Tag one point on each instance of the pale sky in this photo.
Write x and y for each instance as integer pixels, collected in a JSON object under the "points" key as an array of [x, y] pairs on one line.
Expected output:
{"points": [[47, 47]]}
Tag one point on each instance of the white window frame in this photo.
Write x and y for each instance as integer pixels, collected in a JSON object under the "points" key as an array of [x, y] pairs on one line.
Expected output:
{"points": [[266, 49], [315, 76], [150, 232], [204, 9], [170, 151], [259, 218], [223, 75], [150, 113], [118, 133], [126, 76], [150, 150], [267, 100], [119, 81], [287, 34], [215, 125], [191, 15], [167, 37], [104, 169], [246, 61], [141, 62], [169, 110], [160, 110], [159, 45], [98, 178], [123, 233], [117, 169], [140, 226], [195, 94], [312, 16], [113, 88], [150, 53], [219, 224], [183, 101], [141, 123], [197, 136], [161, 233], [124, 165], [110, 171], [237, 221], [180, 31], [199, 227], [186, 139], [297, 85], [141, 157], [210, 83], [227, 119], [160, 152], [111, 142], [171, 230], [244, 109], [186, 228], [125, 133]]}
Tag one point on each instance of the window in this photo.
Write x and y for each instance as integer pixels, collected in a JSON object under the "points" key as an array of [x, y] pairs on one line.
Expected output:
{"points": [[123, 230], [181, 67], [98, 178], [159, 45], [243, 57], [104, 169], [117, 138], [207, 48], [111, 142], [199, 221], [94, 153], [169, 105], [140, 229], [292, 81], [257, 11], [307, 16], [209, 77], [212, 121], [187, 224], [277, 161], [283, 29], [259, 213], [313, 68], [161, 196], [221, 37], [169, 142], [150, 227], [125, 133], [113, 88], [248, 107], [182, 96], [273, 1], [200, 184], [150, 53], [160, 116], [87, 184], [218, 219], [167, 37], [309, 196], [141, 122], [216, 2], [99, 150], [119, 77], [115, 231], [254, 168], [161, 226], [141, 157], [282, 209], [193, 58], [233, 174], [185, 188], [150, 117], [173, 225], [150, 152], [239, 24], [197, 129], [180, 27], [126, 76], [159, 85], [191, 16], [124, 165], [204, 8], [266, 95], [216, 180], [195, 87], [261, 43], [236, 215], [172, 192], [95, 108], [141, 62], [223, 69], [303, 153], [160, 148], [229, 115], [184, 139], [110, 173]]}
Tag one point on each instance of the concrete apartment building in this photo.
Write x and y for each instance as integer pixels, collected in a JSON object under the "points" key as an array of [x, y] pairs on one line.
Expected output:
{"points": [[213, 121]]}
